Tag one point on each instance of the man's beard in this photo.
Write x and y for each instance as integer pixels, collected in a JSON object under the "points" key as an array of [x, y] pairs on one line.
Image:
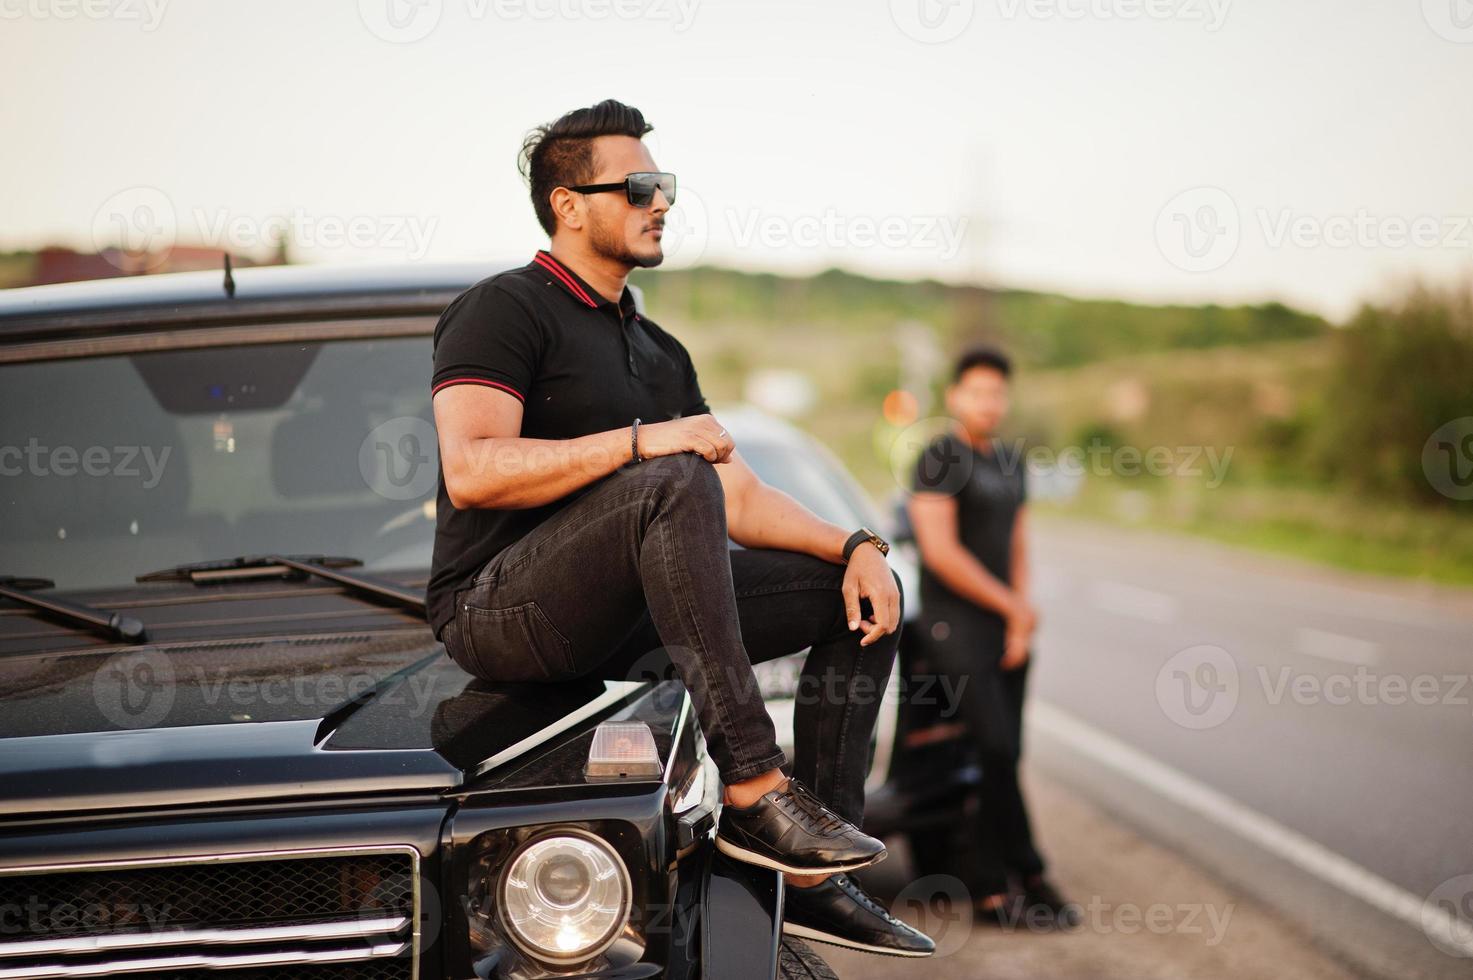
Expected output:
{"points": [[609, 244]]}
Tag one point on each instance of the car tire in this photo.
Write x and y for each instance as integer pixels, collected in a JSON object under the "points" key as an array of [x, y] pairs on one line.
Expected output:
{"points": [[796, 960]]}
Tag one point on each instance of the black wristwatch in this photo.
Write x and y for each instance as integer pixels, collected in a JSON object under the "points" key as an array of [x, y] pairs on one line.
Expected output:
{"points": [[859, 537]]}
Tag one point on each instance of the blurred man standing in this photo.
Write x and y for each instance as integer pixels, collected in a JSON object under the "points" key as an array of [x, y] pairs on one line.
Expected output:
{"points": [[977, 621]]}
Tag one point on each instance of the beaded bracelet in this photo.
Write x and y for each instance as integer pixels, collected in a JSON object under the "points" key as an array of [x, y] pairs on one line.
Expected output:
{"points": [[634, 442]]}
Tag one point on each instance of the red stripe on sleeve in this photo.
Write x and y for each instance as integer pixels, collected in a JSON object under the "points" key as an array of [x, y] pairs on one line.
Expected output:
{"points": [[478, 381]]}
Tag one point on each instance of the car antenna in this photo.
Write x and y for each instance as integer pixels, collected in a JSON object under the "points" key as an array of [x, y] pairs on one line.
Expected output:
{"points": [[229, 279]]}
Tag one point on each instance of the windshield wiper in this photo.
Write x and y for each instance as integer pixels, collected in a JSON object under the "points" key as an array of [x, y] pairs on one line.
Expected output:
{"points": [[294, 567], [113, 625]]}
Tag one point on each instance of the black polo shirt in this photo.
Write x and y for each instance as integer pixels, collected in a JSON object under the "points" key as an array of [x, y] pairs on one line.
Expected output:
{"points": [[577, 362]]}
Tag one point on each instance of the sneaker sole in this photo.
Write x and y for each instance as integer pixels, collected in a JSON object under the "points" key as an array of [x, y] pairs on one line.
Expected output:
{"points": [[803, 932], [762, 861]]}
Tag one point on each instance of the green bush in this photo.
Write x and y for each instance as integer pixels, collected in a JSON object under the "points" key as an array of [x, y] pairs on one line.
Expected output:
{"points": [[1399, 373]]}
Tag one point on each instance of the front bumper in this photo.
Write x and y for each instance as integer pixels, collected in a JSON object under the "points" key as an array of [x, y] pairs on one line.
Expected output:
{"points": [[694, 913]]}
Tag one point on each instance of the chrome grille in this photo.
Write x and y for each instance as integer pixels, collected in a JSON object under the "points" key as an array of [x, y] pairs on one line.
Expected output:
{"points": [[371, 970], [340, 914]]}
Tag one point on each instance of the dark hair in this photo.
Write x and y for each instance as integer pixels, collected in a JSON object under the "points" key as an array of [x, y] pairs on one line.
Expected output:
{"points": [[988, 357], [560, 153]]}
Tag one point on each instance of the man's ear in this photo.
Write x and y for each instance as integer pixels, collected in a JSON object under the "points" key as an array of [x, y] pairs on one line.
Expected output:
{"points": [[567, 207]]}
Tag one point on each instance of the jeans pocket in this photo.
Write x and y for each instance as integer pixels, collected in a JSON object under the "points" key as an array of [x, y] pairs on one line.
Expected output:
{"points": [[514, 643]]}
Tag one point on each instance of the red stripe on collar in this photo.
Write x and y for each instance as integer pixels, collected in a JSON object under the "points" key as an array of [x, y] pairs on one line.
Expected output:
{"points": [[552, 265]]}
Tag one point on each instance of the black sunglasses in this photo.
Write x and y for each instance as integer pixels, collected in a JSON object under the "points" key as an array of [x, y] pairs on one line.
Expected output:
{"points": [[640, 188]]}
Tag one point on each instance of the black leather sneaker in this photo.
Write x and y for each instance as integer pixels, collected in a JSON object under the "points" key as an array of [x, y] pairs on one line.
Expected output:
{"points": [[841, 913], [789, 829], [1006, 916], [1039, 894]]}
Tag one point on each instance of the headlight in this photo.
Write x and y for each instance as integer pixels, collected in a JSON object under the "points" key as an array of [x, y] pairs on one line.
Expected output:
{"points": [[564, 897]]}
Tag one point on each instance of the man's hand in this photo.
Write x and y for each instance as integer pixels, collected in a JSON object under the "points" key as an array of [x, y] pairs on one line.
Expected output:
{"points": [[868, 576], [1021, 625], [694, 433]]}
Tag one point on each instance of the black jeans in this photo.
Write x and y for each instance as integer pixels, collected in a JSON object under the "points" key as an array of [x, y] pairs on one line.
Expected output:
{"points": [[635, 576], [968, 642]]}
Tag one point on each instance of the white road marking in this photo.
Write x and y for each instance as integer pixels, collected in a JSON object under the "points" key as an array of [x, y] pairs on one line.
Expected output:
{"points": [[1308, 855], [1336, 646], [1133, 601]]}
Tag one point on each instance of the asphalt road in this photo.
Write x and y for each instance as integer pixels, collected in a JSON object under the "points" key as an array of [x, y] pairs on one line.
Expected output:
{"points": [[1308, 734], [1146, 914]]}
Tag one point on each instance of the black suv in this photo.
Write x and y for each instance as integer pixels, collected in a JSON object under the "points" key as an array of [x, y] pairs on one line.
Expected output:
{"points": [[228, 740]]}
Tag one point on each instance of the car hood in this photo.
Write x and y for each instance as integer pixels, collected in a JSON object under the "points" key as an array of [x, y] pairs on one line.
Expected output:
{"points": [[267, 718]]}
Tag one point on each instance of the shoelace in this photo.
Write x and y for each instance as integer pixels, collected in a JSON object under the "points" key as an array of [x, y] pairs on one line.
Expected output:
{"points": [[851, 887], [817, 818]]}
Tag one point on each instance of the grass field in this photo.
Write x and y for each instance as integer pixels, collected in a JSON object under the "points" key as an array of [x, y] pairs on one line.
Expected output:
{"points": [[1327, 527]]}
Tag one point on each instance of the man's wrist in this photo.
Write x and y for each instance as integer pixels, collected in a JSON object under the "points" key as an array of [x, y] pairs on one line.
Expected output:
{"points": [[835, 551]]}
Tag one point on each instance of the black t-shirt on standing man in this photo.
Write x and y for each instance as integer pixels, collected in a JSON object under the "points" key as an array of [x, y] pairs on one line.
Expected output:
{"points": [[989, 487]]}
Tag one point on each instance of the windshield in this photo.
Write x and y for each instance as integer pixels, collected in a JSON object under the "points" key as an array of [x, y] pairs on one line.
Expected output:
{"points": [[111, 467], [114, 466]]}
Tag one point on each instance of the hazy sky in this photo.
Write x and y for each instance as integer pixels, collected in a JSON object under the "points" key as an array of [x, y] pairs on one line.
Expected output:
{"points": [[1314, 151]]}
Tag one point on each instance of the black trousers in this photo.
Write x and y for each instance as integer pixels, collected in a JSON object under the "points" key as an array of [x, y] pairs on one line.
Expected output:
{"points": [[635, 578], [967, 642]]}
